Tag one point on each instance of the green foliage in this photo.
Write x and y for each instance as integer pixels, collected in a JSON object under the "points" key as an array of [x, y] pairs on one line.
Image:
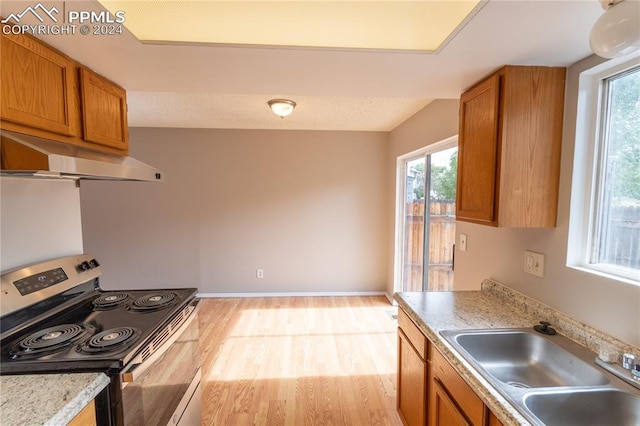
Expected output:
{"points": [[443, 180], [418, 190], [624, 137]]}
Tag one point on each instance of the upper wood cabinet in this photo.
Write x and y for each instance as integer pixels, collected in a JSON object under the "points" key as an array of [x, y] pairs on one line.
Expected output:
{"points": [[104, 111], [45, 93], [510, 138], [38, 86]]}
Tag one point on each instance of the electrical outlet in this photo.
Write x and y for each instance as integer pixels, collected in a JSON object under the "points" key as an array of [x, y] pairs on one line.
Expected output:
{"points": [[463, 242], [259, 273], [534, 263]]}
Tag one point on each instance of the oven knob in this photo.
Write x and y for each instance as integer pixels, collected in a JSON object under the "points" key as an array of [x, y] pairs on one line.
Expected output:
{"points": [[94, 263], [84, 266]]}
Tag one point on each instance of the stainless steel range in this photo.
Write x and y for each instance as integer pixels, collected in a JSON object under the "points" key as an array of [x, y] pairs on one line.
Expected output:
{"points": [[55, 318]]}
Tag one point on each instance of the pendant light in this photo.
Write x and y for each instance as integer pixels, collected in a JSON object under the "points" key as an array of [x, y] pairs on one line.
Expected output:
{"points": [[617, 31]]}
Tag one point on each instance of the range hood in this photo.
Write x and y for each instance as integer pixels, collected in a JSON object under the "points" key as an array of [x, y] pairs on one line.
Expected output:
{"points": [[30, 156]]}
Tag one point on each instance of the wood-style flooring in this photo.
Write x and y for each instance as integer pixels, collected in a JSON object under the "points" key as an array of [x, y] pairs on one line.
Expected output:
{"points": [[298, 361]]}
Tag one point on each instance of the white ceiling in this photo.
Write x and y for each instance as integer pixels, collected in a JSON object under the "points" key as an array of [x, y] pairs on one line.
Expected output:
{"points": [[228, 87]]}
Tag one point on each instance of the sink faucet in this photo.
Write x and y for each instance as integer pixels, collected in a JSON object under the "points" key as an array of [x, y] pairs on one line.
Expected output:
{"points": [[629, 362], [629, 371]]}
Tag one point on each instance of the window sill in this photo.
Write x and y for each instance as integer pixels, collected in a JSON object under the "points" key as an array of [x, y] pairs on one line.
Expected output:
{"points": [[605, 274]]}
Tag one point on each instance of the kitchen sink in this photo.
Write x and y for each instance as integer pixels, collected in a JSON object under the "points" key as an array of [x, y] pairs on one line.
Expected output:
{"points": [[590, 407], [527, 360], [549, 379]]}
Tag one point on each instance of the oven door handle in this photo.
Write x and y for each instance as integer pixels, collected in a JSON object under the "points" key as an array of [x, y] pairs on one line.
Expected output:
{"points": [[138, 365]]}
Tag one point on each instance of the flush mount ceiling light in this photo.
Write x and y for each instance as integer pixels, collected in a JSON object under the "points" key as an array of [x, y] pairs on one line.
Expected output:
{"points": [[617, 31], [282, 107]]}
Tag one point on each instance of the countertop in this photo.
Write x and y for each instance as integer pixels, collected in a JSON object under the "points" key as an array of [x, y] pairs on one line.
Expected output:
{"points": [[495, 306], [47, 399]]}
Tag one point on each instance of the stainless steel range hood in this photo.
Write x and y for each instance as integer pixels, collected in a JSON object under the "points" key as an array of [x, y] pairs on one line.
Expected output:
{"points": [[30, 156]]}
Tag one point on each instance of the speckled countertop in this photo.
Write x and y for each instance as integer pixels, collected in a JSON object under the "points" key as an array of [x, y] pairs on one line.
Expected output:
{"points": [[47, 399], [495, 306]]}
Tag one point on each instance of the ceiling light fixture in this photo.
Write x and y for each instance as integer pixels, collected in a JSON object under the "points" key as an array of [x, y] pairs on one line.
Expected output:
{"points": [[282, 107], [617, 31]]}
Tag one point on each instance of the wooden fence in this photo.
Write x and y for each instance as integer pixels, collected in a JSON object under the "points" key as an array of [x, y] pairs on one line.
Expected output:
{"points": [[622, 246], [442, 230]]}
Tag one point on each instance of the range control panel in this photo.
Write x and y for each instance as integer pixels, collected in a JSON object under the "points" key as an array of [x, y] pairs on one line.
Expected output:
{"points": [[33, 283], [40, 281]]}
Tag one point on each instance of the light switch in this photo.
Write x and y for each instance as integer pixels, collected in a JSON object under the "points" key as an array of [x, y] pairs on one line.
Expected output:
{"points": [[463, 242]]}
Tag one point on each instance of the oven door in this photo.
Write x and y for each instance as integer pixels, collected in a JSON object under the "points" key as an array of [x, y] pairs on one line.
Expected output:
{"points": [[164, 389]]}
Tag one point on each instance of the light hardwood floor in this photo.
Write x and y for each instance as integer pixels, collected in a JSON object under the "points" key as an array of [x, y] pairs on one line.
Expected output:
{"points": [[298, 361]]}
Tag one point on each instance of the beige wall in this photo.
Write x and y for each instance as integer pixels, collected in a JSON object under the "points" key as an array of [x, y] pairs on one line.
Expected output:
{"points": [[307, 207], [498, 253], [40, 220]]}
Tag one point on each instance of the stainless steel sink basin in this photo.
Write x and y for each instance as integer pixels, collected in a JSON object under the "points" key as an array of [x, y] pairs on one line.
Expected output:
{"points": [[550, 380], [590, 407], [526, 359]]}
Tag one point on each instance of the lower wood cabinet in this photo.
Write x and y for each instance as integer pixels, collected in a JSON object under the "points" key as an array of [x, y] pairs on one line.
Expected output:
{"points": [[430, 391], [413, 375], [454, 402], [86, 417], [412, 383], [444, 411]]}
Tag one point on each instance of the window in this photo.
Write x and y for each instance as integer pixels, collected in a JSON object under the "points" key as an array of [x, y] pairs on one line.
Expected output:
{"points": [[605, 211]]}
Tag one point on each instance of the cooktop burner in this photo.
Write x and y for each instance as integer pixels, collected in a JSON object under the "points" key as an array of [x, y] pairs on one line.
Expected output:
{"points": [[55, 317], [112, 339], [153, 301], [109, 301], [50, 340]]}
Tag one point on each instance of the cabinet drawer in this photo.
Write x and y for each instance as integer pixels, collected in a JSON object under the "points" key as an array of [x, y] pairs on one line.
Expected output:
{"points": [[468, 402], [413, 333]]}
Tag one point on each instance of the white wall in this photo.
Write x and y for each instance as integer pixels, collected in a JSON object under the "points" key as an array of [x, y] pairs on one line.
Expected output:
{"points": [[40, 220], [307, 207], [498, 252]]}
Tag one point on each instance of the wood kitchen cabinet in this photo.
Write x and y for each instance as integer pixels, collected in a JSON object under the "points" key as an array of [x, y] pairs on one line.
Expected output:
{"points": [[430, 392], [452, 401], [510, 136], [86, 417], [413, 378], [47, 94], [104, 111], [39, 86]]}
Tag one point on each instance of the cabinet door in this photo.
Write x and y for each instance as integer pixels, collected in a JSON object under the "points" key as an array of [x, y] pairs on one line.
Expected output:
{"points": [[86, 417], [445, 411], [478, 152], [412, 382], [457, 392], [104, 111], [493, 420], [38, 86]]}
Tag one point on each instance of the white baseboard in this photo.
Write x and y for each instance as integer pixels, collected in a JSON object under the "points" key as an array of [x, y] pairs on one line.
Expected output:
{"points": [[296, 294], [390, 298]]}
